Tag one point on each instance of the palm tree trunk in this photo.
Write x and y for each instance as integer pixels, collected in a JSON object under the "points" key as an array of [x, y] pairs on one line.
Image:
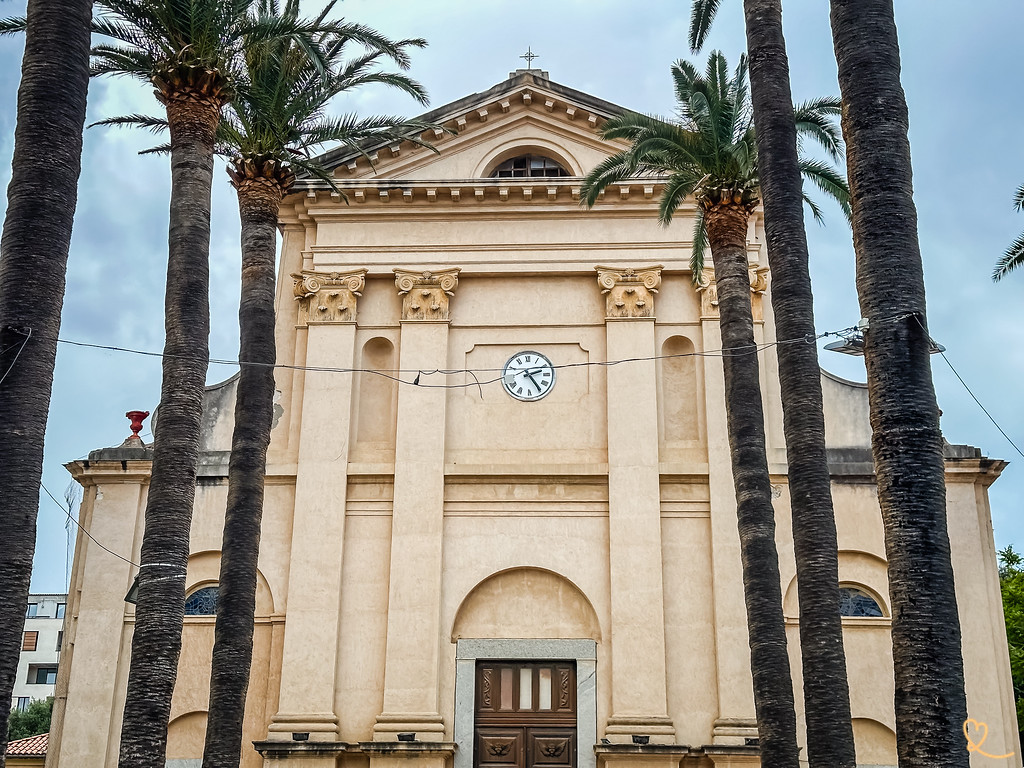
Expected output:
{"points": [[826, 691], [156, 643], [259, 199], [762, 590], [33, 259], [906, 441]]}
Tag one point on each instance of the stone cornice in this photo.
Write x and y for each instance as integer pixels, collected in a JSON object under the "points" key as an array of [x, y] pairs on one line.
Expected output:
{"points": [[523, 90], [506, 190]]}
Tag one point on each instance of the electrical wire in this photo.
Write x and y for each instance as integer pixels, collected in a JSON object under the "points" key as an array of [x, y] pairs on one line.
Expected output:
{"points": [[809, 339], [386, 372], [84, 530], [16, 355], [970, 392]]}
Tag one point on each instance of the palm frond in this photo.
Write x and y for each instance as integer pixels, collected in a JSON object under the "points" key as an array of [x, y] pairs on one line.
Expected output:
{"points": [[711, 145], [815, 208], [700, 246], [684, 74], [677, 189], [611, 170], [12, 25], [147, 122], [830, 181], [1018, 199], [1013, 258], [701, 18], [815, 119], [159, 149]]}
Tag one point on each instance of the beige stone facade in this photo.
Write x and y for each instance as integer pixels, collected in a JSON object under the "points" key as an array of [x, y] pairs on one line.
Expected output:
{"points": [[420, 519]]}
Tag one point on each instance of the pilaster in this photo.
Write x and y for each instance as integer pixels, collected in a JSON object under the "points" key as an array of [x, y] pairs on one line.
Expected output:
{"points": [[310, 653], [411, 690], [639, 702], [98, 620], [736, 720]]}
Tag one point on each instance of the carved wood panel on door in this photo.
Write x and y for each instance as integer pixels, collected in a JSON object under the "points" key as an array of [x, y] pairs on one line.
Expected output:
{"points": [[525, 715]]}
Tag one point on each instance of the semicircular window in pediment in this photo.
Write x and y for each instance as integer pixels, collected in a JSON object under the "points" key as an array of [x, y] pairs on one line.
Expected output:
{"points": [[526, 166]]}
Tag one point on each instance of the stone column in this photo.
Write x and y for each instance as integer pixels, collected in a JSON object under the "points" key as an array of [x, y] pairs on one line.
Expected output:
{"points": [[310, 654], [736, 718], [411, 690], [639, 703]]}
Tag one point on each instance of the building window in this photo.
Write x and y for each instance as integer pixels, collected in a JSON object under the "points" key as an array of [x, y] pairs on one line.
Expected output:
{"points": [[33, 608], [42, 676], [529, 166], [857, 603], [60, 639], [29, 641], [60, 610], [22, 704], [202, 602]]}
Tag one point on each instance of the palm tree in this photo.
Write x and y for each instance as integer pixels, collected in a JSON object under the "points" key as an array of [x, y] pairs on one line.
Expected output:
{"points": [[41, 201], [1014, 255], [711, 154], [825, 686], [930, 702], [190, 52], [276, 118]]}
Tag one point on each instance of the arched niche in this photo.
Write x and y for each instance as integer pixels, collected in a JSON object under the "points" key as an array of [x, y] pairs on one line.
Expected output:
{"points": [[679, 407], [375, 419], [517, 147], [204, 571], [860, 570], [186, 736], [526, 603], [875, 743]]}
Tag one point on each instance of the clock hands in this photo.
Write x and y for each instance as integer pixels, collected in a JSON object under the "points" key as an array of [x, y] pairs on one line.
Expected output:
{"points": [[528, 376]]}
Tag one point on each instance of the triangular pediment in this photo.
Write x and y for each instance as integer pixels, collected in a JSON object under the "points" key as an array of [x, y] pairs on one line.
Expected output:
{"points": [[526, 114]]}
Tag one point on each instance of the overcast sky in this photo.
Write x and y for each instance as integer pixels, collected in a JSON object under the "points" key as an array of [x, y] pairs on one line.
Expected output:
{"points": [[960, 71]]}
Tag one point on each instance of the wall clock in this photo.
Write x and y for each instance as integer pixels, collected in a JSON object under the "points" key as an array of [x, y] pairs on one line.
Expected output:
{"points": [[528, 376]]}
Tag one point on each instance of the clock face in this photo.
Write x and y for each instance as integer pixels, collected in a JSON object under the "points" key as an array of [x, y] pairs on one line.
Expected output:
{"points": [[528, 376]]}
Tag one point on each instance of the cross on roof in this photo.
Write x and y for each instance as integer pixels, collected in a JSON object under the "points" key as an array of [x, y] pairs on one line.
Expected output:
{"points": [[529, 56]]}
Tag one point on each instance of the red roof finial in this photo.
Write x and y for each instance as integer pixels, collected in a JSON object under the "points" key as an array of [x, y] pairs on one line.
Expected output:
{"points": [[137, 418]]}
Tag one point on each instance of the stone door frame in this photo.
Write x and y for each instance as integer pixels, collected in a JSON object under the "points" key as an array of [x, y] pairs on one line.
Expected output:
{"points": [[582, 651]]}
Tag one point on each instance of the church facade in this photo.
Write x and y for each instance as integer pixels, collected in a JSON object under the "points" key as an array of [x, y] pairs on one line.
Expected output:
{"points": [[500, 528]]}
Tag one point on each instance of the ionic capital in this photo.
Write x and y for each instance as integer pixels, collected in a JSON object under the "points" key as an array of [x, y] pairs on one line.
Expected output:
{"points": [[708, 290], [328, 297], [629, 292], [426, 295]]}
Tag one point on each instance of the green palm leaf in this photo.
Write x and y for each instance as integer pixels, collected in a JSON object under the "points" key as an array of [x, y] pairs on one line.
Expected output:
{"points": [[1010, 260], [701, 18], [1014, 255], [709, 150]]}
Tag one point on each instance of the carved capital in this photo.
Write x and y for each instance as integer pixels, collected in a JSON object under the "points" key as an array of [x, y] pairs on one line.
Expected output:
{"points": [[426, 295], [708, 290], [629, 292], [328, 297]]}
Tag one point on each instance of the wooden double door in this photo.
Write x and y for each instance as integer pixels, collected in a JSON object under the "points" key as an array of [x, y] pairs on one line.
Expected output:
{"points": [[525, 714]]}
